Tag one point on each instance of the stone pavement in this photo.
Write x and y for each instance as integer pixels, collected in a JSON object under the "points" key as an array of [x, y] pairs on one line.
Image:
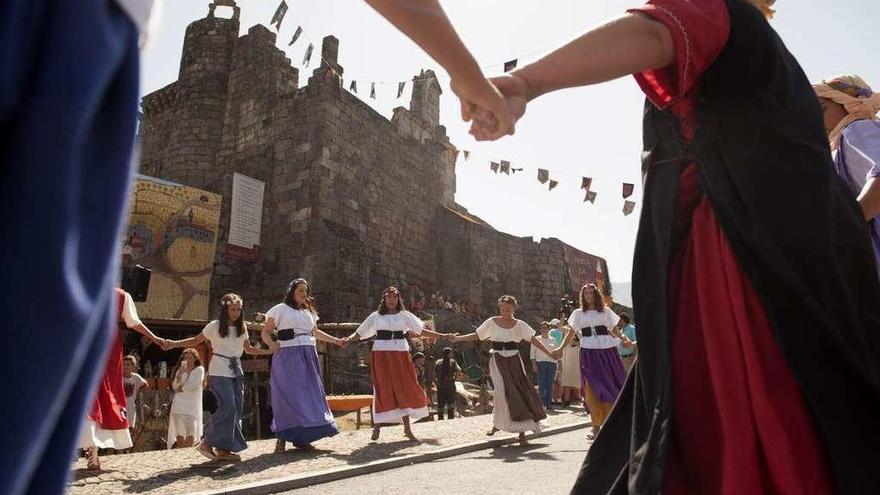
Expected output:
{"points": [[185, 471]]}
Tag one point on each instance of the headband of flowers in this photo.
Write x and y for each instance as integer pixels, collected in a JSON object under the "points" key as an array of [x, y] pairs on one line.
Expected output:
{"points": [[232, 300], [293, 283], [390, 290]]}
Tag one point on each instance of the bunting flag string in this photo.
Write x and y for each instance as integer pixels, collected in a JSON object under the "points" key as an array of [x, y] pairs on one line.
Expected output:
{"points": [[515, 170], [628, 207], [308, 56], [296, 35], [553, 184], [353, 87], [467, 155], [590, 196], [627, 190], [505, 167], [400, 87], [278, 18], [494, 166], [543, 175], [510, 65], [586, 183], [373, 90]]}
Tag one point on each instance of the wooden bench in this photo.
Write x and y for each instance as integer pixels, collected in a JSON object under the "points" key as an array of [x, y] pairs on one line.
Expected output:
{"points": [[348, 403]]}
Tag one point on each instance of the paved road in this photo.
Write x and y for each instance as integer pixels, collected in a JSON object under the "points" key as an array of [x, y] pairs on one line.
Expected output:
{"points": [[548, 466]]}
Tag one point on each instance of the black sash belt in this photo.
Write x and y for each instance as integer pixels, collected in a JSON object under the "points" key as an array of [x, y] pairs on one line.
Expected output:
{"points": [[600, 330], [505, 346], [290, 334], [389, 335]]}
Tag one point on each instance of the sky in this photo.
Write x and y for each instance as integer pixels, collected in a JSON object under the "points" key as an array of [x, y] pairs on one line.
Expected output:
{"points": [[590, 131]]}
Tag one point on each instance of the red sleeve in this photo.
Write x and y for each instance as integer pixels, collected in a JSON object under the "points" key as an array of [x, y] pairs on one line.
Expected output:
{"points": [[699, 30]]}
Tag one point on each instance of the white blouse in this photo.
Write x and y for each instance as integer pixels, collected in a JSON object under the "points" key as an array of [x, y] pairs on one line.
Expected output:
{"points": [[402, 321], [490, 330], [581, 319], [189, 400], [302, 321]]}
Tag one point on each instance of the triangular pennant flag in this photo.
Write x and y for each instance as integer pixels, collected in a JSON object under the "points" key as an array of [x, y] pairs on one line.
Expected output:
{"points": [[308, 55], [455, 159], [280, 12], [627, 190], [296, 35], [373, 90], [353, 87], [543, 175], [553, 184], [494, 166], [628, 207], [586, 183], [590, 196], [510, 65], [467, 155], [505, 167], [400, 87]]}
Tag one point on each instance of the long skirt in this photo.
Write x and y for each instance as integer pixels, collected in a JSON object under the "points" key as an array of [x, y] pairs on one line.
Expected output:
{"points": [[107, 425], [223, 430], [69, 110], [396, 389], [516, 405], [731, 381], [571, 367], [300, 413]]}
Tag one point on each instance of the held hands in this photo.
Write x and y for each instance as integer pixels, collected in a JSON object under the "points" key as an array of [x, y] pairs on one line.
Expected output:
{"points": [[489, 120], [343, 342]]}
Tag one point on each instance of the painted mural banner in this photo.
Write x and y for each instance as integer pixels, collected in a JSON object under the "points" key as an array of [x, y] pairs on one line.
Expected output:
{"points": [[173, 231]]}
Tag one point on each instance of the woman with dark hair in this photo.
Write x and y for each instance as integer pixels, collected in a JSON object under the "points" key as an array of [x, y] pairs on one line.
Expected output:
{"points": [[446, 370], [228, 336], [300, 414], [602, 373], [185, 419], [517, 408], [397, 395]]}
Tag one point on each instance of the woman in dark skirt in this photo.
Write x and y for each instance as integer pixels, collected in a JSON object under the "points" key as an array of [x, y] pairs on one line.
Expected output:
{"points": [[516, 405]]}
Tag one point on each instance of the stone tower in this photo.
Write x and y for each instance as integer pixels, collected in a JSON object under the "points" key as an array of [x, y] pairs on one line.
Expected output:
{"points": [[425, 103]]}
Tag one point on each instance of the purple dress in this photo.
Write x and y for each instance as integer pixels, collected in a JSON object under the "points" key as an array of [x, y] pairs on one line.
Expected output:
{"points": [[300, 413], [857, 160]]}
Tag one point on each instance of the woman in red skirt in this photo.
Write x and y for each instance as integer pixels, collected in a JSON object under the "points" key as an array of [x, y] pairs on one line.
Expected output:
{"points": [[754, 282], [397, 395]]}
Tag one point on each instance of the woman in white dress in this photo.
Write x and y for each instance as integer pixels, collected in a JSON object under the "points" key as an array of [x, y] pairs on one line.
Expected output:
{"points": [[516, 406], [185, 420]]}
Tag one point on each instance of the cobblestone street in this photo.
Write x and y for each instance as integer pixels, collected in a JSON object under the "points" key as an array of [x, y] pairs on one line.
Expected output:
{"points": [[185, 471]]}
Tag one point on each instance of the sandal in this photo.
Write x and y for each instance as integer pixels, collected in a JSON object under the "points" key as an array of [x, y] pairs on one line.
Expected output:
{"points": [[410, 435], [375, 435], [228, 456], [492, 431], [522, 440], [206, 451]]}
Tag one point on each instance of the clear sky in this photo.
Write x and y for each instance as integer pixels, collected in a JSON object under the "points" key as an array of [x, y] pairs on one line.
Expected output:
{"points": [[592, 131]]}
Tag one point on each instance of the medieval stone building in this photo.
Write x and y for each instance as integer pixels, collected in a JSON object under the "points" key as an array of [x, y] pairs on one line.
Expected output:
{"points": [[353, 202]]}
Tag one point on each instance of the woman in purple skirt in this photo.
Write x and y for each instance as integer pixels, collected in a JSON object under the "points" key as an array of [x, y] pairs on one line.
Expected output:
{"points": [[300, 414], [602, 372]]}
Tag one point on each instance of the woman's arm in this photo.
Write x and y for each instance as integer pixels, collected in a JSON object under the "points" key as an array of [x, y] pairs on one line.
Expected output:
{"points": [[540, 345], [266, 333], [190, 342], [468, 337], [255, 351], [326, 337], [639, 42]]}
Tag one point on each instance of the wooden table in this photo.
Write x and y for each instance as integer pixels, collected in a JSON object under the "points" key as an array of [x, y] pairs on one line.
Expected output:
{"points": [[348, 403]]}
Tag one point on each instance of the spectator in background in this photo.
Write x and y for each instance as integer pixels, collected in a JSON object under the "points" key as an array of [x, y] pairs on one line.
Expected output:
{"points": [[132, 383], [544, 366], [627, 347]]}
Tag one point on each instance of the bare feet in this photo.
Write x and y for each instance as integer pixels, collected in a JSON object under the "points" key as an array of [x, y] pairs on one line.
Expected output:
{"points": [[492, 431], [409, 434], [279, 445], [522, 440], [92, 462]]}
